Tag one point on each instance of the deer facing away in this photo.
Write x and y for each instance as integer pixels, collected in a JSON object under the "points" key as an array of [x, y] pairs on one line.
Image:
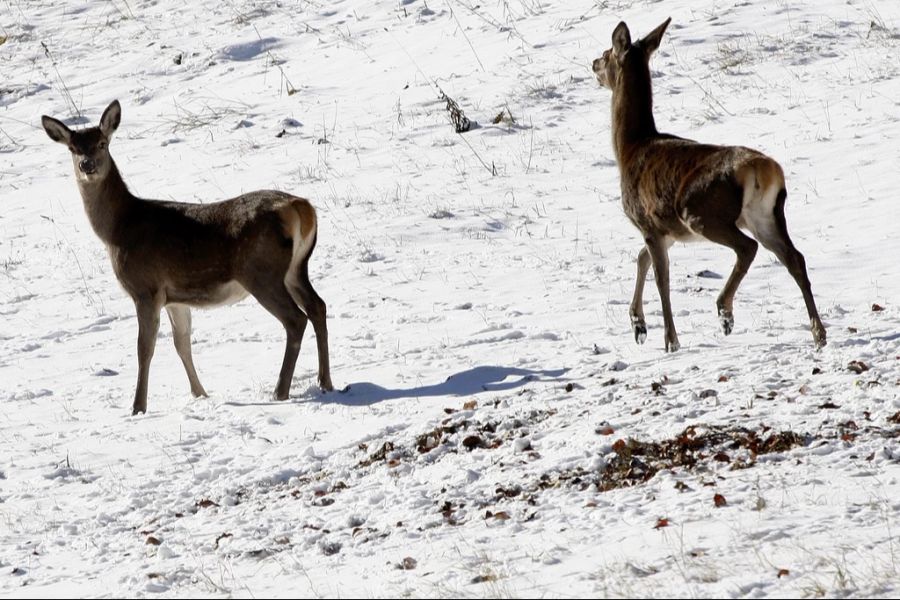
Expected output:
{"points": [[674, 189], [178, 255]]}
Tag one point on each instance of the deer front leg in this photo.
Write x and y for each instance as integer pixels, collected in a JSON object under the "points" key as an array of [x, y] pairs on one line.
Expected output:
{"points": [[638, 324], [148, 326], [180, 317], [659, 255]]}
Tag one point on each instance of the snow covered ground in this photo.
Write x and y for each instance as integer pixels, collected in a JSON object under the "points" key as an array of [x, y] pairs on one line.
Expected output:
{"points": [[500, 433]]}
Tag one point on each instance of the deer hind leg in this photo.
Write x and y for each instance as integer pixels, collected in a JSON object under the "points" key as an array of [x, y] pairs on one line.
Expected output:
{"points": [[148, 326], [773, 234], [714, 213], [300, 225], [658, 248], [180, 317], [302, 292], [275, 298], [636, 311], [745, 248]]}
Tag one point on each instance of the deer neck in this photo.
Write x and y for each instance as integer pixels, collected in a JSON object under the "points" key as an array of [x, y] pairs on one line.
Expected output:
{"points": [[632, 111], [106, 201]]}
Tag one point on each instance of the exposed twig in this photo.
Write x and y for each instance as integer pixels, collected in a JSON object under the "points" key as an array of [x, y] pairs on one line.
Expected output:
{"points": [[530, 147], [463, 31], [493, 22], [491, 169], [74, 108]]}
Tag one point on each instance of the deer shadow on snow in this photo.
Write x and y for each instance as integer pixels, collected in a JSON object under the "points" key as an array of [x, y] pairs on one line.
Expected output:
{"points": [[465, 383]]}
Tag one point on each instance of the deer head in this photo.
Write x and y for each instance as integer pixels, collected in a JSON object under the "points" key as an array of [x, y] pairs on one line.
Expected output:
{"points": [[89, 147], [625, 56]]}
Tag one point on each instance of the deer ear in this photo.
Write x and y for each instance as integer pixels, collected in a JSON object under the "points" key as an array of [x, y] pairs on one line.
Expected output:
{"points": [[56, 130], [111, 118], [621, 38], [651, 41]]}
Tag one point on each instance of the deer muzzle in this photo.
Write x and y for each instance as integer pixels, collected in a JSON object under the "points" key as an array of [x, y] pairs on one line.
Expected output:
{"points": [[88, 166]]}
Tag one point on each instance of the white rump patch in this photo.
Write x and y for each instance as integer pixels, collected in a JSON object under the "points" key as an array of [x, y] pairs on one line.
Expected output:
{"points": [[758, 212], [301, 248]]}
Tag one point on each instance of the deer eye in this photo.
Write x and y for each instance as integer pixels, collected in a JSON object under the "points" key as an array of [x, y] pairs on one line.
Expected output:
{"points": [[101, 146]]}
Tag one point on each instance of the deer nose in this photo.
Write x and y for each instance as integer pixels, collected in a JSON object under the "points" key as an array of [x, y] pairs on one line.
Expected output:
{"points": [[87, 166], [598, 64]]}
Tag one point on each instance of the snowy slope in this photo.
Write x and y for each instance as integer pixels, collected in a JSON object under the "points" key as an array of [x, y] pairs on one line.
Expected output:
{"points": [[500, 433]]}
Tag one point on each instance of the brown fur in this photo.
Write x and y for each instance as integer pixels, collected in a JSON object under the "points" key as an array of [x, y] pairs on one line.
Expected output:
{"points": [[178, 255], [677, 189]]}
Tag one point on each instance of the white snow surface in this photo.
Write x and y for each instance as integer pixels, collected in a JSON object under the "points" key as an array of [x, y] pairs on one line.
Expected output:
{"points": [[477, 288]]}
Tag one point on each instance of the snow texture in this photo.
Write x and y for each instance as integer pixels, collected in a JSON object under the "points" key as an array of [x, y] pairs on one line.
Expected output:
{"points": [[499, 433]]}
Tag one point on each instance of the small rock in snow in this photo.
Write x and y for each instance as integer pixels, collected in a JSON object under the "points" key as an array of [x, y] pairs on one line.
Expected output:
{"points": [[522, 444]]}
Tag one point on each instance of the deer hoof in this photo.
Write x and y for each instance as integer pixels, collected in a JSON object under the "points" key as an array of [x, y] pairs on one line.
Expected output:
{"points": [[640, 331], [727, 321], [819, 337], [673, 346], [138, 411]]}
